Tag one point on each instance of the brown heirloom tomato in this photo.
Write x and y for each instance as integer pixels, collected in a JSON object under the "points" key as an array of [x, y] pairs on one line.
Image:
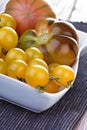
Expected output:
{"points": [[57, 40]]}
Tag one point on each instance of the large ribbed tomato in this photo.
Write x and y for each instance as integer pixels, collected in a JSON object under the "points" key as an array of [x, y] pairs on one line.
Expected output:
{"points": [[28, 12], [57, 40]]}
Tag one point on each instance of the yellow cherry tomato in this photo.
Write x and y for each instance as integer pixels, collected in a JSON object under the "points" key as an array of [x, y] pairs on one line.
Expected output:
{"points": [[3, 66], [38, 62], [16, 69], [33, 53], [52, 87], [64, 74], [52, 67], [7, 20], [0, 50], [36, 75], [15, 54], [8, 38]]}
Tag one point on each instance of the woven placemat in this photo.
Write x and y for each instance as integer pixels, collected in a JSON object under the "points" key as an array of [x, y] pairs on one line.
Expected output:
{"points": [[64, 115]]}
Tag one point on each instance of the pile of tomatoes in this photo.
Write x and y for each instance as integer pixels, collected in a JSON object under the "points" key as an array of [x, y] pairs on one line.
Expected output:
{"points": [[27, 62]]}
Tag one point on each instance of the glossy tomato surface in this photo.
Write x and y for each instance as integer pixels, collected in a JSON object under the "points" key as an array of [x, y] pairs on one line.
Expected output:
{"points": [[57, 40], [37, 75], [8, 38], [28, 13], [7, 20]]}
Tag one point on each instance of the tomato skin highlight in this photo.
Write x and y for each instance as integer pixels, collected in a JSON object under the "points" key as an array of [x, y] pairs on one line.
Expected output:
{"points": [[38, 61], [16, 69], [15, 54], [36, 75]]}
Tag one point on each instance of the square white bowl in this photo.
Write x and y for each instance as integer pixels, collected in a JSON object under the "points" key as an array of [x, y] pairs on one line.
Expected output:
{"points": [[23, 95]]}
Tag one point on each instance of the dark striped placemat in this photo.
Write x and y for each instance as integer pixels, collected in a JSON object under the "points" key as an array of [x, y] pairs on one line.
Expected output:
{"points": [[64, 115]]}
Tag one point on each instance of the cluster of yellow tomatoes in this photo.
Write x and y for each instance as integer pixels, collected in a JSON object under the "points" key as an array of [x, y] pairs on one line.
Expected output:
{"points": [[29, 65]]}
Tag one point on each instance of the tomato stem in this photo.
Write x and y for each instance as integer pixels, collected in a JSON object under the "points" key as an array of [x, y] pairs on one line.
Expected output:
{"points": [[40, 88], [4, 51], [57, 80], [43, 38], [21, 79]]}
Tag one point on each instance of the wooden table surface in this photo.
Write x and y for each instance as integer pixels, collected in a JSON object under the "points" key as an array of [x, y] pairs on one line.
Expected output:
{"points": [[82, 125], [73, 10]]}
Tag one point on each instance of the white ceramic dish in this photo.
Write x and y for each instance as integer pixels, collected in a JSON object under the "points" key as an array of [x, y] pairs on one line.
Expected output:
{"points": [[21, 94]]}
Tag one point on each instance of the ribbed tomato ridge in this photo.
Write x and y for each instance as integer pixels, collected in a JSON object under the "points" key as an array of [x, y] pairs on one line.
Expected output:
{"points": [[28, 12]]}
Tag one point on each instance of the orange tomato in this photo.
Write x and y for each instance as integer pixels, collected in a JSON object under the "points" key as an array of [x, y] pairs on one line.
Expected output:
{"points": [[52, 87]]}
